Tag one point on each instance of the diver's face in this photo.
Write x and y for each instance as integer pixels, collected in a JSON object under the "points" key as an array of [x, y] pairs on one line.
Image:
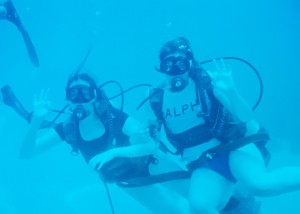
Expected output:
{"points": [[81, 93], [81, 97], [176, 65]]}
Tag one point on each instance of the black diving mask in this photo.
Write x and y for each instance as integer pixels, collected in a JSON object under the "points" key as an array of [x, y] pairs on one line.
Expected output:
{"points": [[80, 94], [175, 65]]}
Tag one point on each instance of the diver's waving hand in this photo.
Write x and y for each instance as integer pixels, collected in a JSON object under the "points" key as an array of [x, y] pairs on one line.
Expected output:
{"points": [[42, 105], [222, 76]]}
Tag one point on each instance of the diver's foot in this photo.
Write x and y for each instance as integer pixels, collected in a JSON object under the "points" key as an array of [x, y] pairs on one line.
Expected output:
{"points": [[12, 16], [11, 13], [2, 12]]}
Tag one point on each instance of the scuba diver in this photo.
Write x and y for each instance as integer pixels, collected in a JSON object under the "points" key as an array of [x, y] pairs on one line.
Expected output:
{"points": [[112, 143], [8, 12], [211, 130]]}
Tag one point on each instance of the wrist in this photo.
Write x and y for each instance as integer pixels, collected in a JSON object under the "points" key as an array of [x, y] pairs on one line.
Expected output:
{"points": [[232, 91], [115, 152], [35, 118]]}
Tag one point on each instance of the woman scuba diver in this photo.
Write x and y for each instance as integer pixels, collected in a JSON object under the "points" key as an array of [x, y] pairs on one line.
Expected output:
{"points": [[211, 130], [113, 143]]}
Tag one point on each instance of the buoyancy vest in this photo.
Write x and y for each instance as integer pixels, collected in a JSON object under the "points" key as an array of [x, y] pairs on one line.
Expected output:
{"points": [[215, 115], [120, 168]]}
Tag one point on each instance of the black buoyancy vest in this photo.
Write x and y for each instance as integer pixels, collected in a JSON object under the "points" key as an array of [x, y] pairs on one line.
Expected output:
{"points": [[105, 114], [213, 112], [120, 168]]}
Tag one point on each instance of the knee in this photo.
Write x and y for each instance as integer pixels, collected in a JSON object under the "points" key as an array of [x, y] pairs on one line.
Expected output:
{"points": [[202, 207]]}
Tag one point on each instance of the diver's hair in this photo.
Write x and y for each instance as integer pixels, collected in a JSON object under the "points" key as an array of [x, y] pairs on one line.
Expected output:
{"points": [[179, 44], [87, 77], [91, 79]]}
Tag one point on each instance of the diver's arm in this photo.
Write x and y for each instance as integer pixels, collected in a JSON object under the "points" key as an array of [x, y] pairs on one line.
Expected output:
{"points": [[33, 145], [141, 142], [141, 145], [136, 150], [226, 92], [236, 104]]}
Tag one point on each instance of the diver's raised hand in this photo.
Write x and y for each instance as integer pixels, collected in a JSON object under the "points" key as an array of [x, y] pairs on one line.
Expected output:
{"points": [[99, 160], [221, 76], [42, 106]]}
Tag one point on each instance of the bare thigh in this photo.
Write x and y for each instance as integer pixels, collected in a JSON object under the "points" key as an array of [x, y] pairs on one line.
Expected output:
{"points": [[167, 164], [247, 165], [209, 190], [158, 199]]}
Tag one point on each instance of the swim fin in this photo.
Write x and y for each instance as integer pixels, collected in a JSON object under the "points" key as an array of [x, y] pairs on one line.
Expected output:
{"points": [[13, 17], [10, 99]]}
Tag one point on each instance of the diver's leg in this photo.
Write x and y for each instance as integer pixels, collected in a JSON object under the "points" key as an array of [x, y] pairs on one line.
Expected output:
{"points": [[209, 191], [7, 205], [242, 202], [166, 164], [87, 199], [158, 200], [12, 16], [94, 198], [248, 166]]}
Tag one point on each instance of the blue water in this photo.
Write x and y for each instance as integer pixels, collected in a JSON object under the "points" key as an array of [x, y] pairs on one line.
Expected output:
{"points": [[125, 37]]}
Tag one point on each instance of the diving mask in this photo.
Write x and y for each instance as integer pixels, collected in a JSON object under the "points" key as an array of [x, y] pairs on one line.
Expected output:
{"points": [[175, 65], [80, 94]]}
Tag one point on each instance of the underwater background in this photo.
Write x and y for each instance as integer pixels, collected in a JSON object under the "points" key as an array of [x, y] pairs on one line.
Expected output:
{"points": [[125, 38]]}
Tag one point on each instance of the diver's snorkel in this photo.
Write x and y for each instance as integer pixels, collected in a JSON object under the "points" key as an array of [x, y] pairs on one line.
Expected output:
{"points": [[78, 94]]}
